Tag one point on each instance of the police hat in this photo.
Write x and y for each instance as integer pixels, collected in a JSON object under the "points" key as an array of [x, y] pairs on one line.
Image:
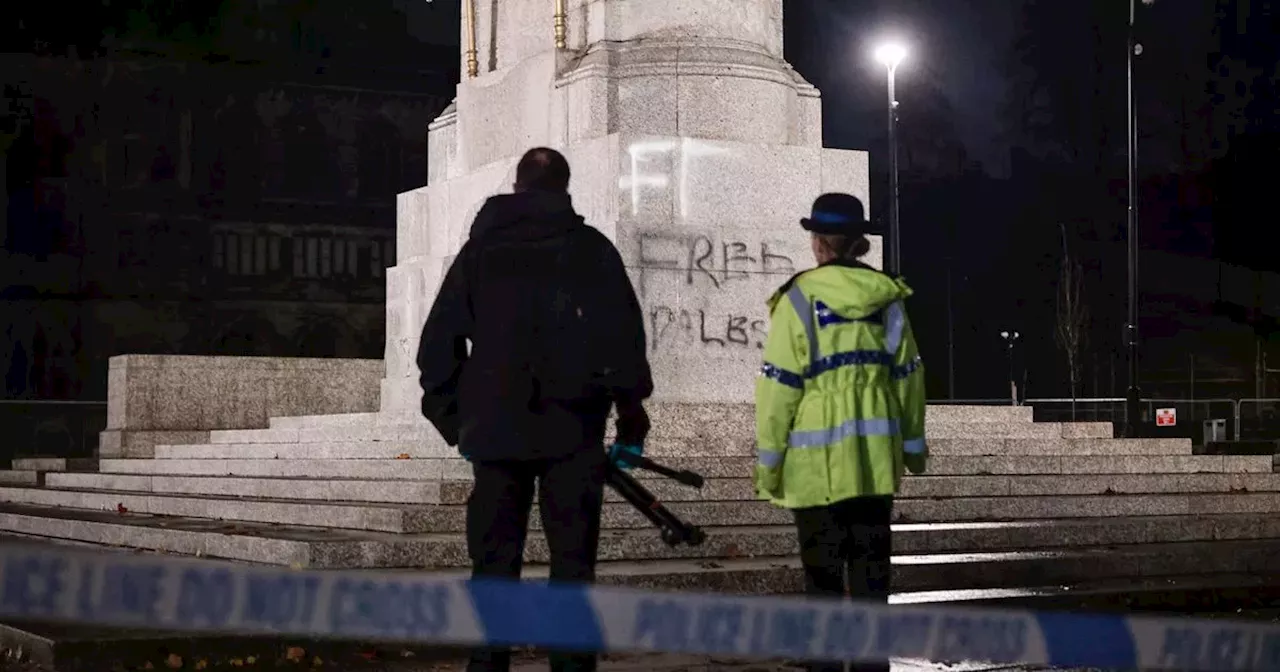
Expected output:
{"points": [[836, 214]]}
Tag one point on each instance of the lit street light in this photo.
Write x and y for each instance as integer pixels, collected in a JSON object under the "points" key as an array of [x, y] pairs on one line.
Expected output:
{"points": [[890, 54]]}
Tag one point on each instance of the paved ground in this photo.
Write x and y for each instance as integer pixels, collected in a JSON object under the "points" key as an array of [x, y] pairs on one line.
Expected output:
{"points": [[672, 663], [524, 663]]}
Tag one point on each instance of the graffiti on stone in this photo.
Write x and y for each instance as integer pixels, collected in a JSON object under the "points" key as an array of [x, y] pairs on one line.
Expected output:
{"points": [[678, 327], [699, 260], [708, 293]]}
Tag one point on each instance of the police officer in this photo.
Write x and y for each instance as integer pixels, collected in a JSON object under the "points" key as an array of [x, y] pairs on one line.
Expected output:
{"points": [[535, 335], [840, 407]]}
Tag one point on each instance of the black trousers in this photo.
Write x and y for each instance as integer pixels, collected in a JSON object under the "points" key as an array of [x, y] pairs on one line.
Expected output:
{"points": [[570, 493], [849, 538]]}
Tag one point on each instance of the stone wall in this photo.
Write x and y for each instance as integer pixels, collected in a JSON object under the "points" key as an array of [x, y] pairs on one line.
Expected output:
{"points": [[158, 399]]}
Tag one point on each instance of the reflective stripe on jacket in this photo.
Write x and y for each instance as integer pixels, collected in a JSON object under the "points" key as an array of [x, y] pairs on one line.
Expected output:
{"points": [[841, 395]]}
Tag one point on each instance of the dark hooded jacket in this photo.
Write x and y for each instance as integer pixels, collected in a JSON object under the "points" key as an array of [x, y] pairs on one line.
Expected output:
{"points": [[535, 332]]}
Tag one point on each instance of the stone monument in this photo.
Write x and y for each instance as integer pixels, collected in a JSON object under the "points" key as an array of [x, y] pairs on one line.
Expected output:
{"points": [[697, 149], [694, 145]]}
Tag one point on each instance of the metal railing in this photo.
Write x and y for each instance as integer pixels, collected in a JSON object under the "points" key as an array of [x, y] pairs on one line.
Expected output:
{"points": [[969, 402], [1191, 414], [1264, 420], [50, 427], [1257, 418]]}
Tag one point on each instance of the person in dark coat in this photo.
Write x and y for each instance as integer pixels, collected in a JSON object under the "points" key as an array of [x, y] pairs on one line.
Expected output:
{"points": [[535, 335]]}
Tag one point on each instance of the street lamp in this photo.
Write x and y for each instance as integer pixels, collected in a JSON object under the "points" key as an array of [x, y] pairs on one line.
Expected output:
{"points": [[890, 54], [1011, 340], [1133, 394]]}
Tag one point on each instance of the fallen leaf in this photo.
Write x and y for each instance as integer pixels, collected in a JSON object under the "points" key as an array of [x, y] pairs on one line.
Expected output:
{"points": [[402, 456], [174, 661], [148, 666], [295, 654], [236, 662], [251, 660], [316, 662], [121, 509], [368, 655], [406, 653], [201, 664]]}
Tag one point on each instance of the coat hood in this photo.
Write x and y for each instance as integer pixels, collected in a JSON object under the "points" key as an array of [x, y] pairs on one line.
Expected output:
{"points": [[852, 290], [529, 215]]}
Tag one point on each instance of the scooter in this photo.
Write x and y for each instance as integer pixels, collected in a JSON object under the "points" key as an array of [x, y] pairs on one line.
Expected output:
{"points": [[673, 530]]}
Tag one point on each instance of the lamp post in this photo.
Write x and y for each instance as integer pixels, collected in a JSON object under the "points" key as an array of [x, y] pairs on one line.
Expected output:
{"points": [[1133, 394], [890, 54], [1011, 340]]}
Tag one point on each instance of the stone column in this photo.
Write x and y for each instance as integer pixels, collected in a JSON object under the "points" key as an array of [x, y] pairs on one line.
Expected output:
{"points": [[695, 147]]}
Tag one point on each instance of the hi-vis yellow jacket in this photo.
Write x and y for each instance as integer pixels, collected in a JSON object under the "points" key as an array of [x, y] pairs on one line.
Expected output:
{"points": [[841, 397]]}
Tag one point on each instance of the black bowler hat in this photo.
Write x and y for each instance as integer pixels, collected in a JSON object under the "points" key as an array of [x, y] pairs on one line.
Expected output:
{"points": [[838, 215]]}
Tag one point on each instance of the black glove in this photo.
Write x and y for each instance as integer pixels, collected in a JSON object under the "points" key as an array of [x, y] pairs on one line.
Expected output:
{"points": [[632, 425]]}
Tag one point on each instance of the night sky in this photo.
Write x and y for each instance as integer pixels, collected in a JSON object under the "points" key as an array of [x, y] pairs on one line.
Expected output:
{"points": [[1030, 94], [830, 42]]}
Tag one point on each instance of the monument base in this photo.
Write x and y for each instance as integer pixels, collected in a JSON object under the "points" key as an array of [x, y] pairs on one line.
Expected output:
{"points": [[707, 230], [1009, 504], [168, 399]]}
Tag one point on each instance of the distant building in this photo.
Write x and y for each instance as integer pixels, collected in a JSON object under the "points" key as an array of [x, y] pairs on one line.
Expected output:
{"points": [[222, 193]]}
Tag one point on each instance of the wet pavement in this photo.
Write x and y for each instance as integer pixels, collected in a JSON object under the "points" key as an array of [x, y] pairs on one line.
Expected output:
{"points": [[522, 663]]}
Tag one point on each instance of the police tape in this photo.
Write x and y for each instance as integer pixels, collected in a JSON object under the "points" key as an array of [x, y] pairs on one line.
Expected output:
{"points": [[183, 594]]}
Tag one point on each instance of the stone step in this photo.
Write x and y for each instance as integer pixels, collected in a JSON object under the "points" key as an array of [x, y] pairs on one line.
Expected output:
{"points": [[1206, 594], [417, 441], [1059, 446], [670, 421], [734, 414], [55, 464], [977, 413], [333, 450], [1098, 464], [206, 476], [673, 420], [374, 449], [328, 548], [724, 467], [453, 467], [367, 489], [372, 469], [1083, 506], [940, 465], [367, 516], [948, 572], [21, 477], [912, 572], [380, 517], [667, 448], [421, 434], [1019, 430], [950, 487], [330, 490], [450, 518], [706, 432], [320, 421]]}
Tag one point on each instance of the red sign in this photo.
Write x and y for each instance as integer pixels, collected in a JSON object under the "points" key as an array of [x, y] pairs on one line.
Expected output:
{"points": [[1166, 417]]}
